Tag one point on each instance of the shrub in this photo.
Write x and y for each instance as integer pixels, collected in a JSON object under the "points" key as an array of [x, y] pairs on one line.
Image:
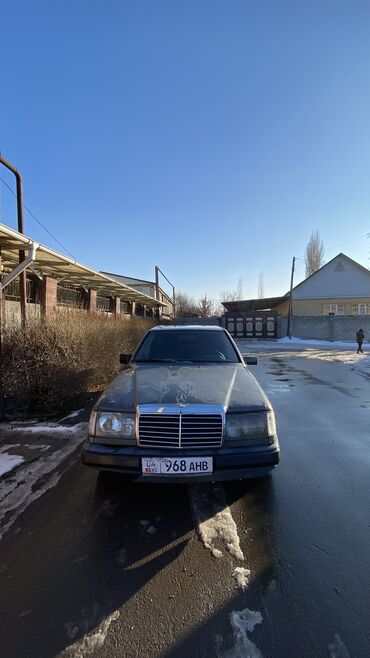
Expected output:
{"points": [[47, 363]]}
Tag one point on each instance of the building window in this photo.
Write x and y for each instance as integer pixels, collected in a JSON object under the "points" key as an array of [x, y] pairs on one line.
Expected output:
{"points": [[360, 309], [337, 309]]}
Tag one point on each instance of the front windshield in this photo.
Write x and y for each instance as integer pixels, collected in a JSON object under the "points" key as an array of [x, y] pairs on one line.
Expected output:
{"points": [[196, 346]]}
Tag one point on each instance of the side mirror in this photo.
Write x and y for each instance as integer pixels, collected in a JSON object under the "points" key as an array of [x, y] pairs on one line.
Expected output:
{"points": [[125, 358], [250, 360]]}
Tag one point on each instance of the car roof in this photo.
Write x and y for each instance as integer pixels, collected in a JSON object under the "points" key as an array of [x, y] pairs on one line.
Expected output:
{"points": [[187, 327]]}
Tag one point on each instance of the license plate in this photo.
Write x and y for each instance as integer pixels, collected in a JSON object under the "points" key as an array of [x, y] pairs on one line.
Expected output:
{"points": [[177, 466]]}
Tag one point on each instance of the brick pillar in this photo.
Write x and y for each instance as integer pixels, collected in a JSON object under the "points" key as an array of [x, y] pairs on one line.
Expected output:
{"points": [[49, 296], [91, 301], [117, 307]]}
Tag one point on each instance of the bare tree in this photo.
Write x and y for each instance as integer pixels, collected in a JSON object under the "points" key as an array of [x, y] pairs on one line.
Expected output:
{"points": [[206, 306], [239, 288], [235, 295], [185, 305], [314, 254], [228, 295], [261, 286]]}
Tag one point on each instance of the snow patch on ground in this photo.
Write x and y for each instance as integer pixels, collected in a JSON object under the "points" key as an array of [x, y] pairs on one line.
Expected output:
{"points": [[18, 491], [8, 462], [216, 526], [359, 360], [242, 577], [53, 428], [8, 446], [337, 649], [72, 415], [242, 623], [91, 642], [303, 341]]}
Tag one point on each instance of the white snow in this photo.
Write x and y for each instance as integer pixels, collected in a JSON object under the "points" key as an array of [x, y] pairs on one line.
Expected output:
{"points": [[72, 415], [15, 498], [304, 341], [52, 428], [243, 622], [8, 462], [91, 642], [6, 447], [337, 649], [241, 575], [216, 526]]}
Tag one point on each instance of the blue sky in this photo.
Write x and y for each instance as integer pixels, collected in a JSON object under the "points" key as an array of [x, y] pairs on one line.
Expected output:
{"points": [[208, 137]]}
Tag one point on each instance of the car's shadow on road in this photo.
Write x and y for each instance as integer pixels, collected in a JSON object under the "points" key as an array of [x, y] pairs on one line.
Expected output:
{"points": [[79, 553], [82, 551]]}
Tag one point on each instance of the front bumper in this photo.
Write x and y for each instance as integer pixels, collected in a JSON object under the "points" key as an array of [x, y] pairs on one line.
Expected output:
{"points": [[228, 463]]}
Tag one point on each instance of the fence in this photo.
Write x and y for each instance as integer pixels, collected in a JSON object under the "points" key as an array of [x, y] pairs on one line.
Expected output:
{"points": [[104, 304], [12, 291], [325, 327], [71, 297]]}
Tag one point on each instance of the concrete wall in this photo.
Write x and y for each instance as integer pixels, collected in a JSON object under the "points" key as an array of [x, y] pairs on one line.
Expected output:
{"points": [[13, 311], [327, 327]]}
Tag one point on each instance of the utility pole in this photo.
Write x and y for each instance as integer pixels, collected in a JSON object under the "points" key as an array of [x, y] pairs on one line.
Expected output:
{"points": [[2, 400], [290, 309], [22, 276]]}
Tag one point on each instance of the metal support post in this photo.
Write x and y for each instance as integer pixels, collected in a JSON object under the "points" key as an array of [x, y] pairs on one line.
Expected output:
{"points": [[22, 276]]}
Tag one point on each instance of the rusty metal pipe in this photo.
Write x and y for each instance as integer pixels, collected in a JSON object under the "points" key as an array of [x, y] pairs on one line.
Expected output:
{"points": [[22, 276]]}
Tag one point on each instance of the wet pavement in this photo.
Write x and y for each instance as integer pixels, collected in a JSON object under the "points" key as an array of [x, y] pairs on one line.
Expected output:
{"points": [[91, 569]]}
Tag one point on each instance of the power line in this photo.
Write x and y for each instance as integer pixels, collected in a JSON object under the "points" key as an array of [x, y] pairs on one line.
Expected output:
{"points": [[365, 235], [38, 221]]}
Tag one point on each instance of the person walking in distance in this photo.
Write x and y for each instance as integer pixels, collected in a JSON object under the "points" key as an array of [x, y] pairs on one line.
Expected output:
{"points": [[360, 339]]}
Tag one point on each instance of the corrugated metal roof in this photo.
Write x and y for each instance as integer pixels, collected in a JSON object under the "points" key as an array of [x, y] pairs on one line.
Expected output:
{"points": [[50, 263], [254, 304]]}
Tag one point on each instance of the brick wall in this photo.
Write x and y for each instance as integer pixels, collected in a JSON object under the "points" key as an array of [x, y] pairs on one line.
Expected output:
{"points": [[49, 296]]}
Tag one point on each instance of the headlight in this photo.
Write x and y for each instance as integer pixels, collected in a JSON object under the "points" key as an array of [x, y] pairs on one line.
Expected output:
{"points": [[114, 425], [246, 427]]}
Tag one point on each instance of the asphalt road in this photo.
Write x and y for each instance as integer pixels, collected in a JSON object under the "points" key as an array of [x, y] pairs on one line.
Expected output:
{"points": [[123, 572]]}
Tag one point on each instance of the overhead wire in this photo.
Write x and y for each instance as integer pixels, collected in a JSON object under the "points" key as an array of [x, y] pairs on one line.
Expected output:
{"points": [[38, 221]]}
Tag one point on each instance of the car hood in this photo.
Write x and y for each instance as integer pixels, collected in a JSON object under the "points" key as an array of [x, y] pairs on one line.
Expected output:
{"points": [[231, 385]]}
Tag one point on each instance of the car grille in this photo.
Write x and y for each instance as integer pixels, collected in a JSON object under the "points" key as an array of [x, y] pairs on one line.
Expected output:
{"points": [[180, 430]]}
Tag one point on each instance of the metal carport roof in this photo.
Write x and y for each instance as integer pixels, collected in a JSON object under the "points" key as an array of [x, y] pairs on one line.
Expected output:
{"points": [[50, 263], [245, 305]]}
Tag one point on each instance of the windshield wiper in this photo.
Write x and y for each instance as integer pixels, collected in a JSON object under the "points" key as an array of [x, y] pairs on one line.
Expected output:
{"points": [[156, 361]]}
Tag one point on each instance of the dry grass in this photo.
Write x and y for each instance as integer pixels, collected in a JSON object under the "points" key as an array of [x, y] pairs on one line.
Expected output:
{"points": [[48, 363]]}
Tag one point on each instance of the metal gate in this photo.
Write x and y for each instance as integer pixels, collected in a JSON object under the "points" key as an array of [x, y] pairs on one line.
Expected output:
{"points": [[256, 324]]}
